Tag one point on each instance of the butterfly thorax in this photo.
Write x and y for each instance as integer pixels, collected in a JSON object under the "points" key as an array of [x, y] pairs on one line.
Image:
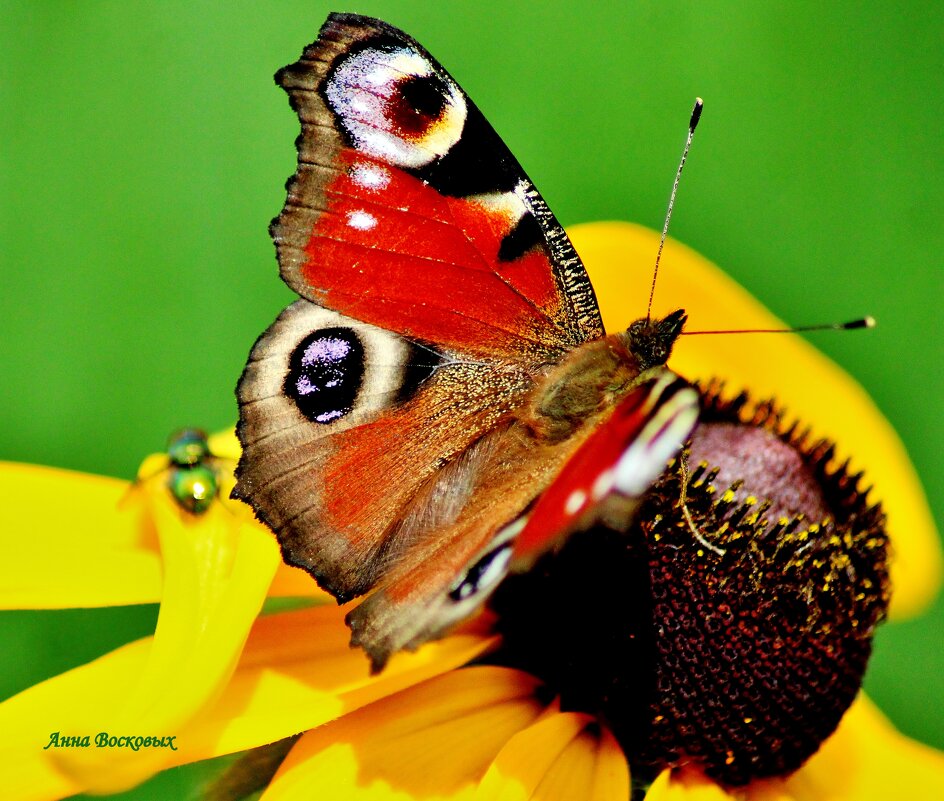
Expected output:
{"points": [[593, 377]]}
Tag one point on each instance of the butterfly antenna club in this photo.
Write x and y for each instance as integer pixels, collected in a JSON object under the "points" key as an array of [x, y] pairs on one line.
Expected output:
{"points": [[861, 322], [692, 124]]}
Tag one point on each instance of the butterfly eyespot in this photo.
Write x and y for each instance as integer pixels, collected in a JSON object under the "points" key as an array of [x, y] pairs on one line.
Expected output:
{"points": [[417, 103], [484, 574], [393, 105], [326, 371]]}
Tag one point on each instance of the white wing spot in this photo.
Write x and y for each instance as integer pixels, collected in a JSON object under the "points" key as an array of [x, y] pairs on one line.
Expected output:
{"points": [[370, 176], [575, 502], [361, 220], [603, 484], [512, 205]]}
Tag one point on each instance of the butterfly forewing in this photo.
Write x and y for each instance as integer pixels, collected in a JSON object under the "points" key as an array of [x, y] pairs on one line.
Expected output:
{"points": [[409, 212]]}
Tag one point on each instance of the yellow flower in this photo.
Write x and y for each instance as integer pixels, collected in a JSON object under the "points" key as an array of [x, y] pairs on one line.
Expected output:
{"points": [[217, 678]]}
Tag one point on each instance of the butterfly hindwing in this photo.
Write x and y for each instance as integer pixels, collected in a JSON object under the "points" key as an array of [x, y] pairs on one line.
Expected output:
{"points": [[523, 504], [346, 431]]}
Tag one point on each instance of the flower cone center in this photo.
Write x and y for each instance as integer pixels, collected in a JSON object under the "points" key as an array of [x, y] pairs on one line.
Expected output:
{"points": [[729, 627]]}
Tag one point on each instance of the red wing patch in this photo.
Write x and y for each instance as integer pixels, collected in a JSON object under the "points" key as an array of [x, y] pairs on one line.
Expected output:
{"points": [[399, 255]]}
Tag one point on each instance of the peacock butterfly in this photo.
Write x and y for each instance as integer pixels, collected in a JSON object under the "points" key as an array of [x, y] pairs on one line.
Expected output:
{"points": [[442, 404]]}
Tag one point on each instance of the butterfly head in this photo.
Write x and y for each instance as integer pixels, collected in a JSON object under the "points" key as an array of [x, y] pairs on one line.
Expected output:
{"points": [[651, 341]]}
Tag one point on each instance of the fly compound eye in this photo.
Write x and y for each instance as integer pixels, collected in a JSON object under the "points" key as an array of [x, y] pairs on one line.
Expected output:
{"points": [[188, 447]]}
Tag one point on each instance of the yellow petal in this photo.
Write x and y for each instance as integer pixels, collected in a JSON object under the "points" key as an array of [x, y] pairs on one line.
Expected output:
{"points": [[686, 785], [432, 741], [217, 571], [293, 581], [769, 790], [64, 704], [32, 778], [864, 760], [619, 258], [225, 449], [70, 540], [559, 758], [289, 581], [868, 760], [296, 672], [74, 539], [224, 444]]}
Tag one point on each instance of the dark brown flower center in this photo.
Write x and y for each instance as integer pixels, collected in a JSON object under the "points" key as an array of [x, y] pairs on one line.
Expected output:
{"points": [[731, 625]]}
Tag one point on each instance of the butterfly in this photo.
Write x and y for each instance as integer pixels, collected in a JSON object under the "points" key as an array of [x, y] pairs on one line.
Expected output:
{"points": [[442, 405]]}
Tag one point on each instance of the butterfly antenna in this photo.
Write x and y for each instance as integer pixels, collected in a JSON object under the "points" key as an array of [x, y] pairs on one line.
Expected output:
{"points": [[862, 322], [696, 115]]}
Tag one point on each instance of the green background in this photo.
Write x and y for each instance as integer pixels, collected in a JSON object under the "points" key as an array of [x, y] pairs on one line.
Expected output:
{"points": [[143, 150]]}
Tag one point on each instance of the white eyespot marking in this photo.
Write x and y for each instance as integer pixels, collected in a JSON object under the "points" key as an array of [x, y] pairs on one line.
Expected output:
{"points": [[361, 220], [395, 106], [575, 502], [512, 205], [511, 531], [487, 568], [484, 575], [661, 438], [370, 176]]}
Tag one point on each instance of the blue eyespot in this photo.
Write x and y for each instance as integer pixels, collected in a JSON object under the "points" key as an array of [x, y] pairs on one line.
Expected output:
{"points": [[326, 370]]}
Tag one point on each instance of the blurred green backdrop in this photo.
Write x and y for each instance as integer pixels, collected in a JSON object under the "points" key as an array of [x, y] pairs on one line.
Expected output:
{"points": [[143, 150]]}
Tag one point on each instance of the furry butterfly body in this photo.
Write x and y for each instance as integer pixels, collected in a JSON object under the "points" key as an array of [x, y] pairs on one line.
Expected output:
{"points": [[442, 405]]}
